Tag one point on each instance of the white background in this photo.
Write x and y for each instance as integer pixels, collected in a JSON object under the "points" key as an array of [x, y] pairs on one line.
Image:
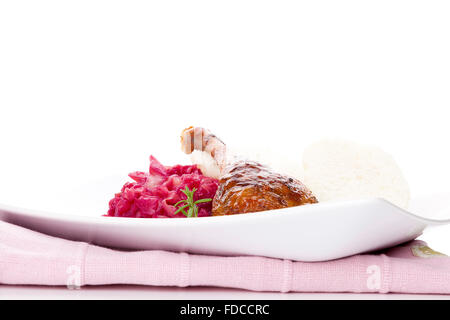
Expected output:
{"points": [[92, 88]]}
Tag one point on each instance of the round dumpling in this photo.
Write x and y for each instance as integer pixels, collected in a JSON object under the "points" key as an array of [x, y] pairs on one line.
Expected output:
{"points": [[342, 170]]}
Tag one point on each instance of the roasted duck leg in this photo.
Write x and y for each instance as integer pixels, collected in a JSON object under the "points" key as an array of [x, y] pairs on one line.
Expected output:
{"points": [[245, 186]]}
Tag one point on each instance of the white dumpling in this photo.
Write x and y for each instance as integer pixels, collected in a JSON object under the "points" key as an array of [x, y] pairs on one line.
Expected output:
{"points": [[342, 170]]}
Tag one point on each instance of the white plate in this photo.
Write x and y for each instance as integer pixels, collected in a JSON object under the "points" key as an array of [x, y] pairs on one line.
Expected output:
{"points": [[315, 232]]}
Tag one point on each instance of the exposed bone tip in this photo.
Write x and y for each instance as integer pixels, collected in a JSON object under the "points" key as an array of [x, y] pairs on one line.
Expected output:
{"points": [[186, 140]]}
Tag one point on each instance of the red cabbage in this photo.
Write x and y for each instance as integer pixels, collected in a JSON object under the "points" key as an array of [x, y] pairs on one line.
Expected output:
{"points": [[153, 194]]}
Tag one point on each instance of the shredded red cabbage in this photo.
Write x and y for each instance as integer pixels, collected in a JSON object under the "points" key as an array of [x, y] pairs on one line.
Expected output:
{"points": [[153, 194]]}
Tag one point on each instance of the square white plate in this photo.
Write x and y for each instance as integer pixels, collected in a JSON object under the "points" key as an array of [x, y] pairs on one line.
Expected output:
{"points": [[317, 232]]}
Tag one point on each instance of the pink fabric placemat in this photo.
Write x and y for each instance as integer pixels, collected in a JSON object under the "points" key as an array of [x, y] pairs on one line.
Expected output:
{"points": [[32, 258]]}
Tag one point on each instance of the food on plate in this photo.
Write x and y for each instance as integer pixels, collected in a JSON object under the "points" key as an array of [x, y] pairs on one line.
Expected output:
{"points": [[189, 206], [342, 170], [221, 183], [248, 186], [156, 193], [244, 185]]}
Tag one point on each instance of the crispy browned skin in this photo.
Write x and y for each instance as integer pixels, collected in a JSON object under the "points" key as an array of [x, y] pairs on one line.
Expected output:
{"points": [[245, 186], [250, 187]]}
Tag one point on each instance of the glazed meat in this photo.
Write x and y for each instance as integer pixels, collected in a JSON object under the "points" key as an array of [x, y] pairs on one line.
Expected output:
{"points": [[249, 187], [245, 186]]}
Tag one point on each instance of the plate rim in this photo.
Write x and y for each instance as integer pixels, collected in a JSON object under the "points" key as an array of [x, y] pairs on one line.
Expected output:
{"points": [[211, 219]]}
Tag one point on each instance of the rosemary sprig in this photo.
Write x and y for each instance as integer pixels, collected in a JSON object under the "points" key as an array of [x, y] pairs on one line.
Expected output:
{"points": [[189, 203]]}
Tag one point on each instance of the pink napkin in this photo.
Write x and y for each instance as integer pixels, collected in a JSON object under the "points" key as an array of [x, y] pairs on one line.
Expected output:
{"points": [[28, 257]]}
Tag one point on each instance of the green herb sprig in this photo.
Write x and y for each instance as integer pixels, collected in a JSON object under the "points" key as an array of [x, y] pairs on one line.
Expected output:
{"points": [[189, 203]]}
